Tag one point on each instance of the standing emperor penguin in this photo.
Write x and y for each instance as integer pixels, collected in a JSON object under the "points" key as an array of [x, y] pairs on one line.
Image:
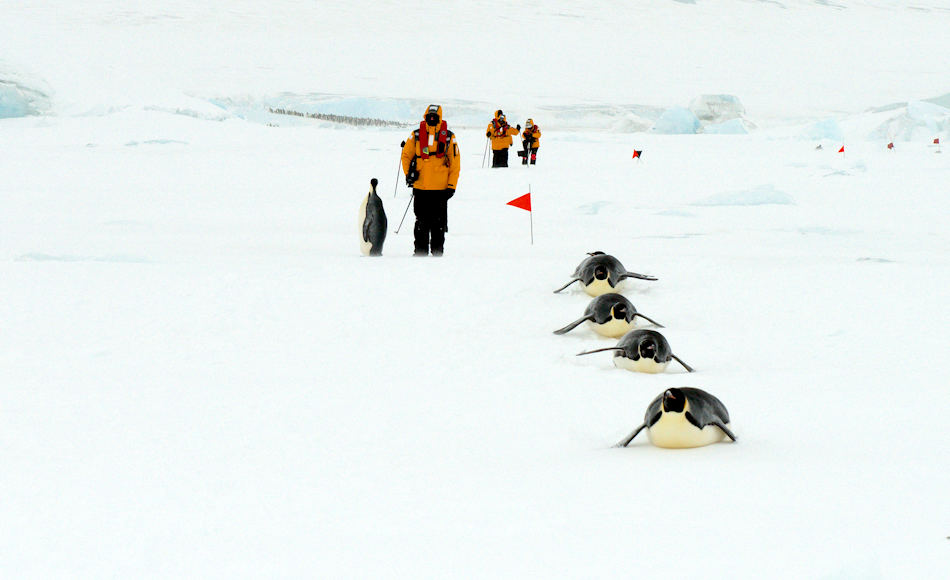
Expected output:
{"points": [[683, 418], [643, 351], [601, 273], [372, 222], [609, 315]]}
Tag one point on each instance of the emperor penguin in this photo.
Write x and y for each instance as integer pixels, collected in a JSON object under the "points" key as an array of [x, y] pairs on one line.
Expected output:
{"points": [[682, 418], [372, 222], [643, 351], [601, 273], [609, 315]]}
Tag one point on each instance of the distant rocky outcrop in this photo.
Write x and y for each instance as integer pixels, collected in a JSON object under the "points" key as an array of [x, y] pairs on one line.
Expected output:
{"points": [[346, 120]]}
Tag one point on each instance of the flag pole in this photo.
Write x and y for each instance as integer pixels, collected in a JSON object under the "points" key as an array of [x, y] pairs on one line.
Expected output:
{"points": [[531, 215]]}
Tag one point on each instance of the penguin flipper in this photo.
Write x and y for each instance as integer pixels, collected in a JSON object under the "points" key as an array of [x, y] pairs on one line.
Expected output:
{"points": [[655, 323], [630, 437], [574, 324], [638, 276], [566, 285], [367, 224], [599, 350], [688, 368], [368, 220], [725, 430]]}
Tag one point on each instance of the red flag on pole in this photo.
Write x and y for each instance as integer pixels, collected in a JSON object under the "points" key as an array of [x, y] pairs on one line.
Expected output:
{"points": [[890, 145], [637, 154], [523, 202], [841, 150], [937, 141]]}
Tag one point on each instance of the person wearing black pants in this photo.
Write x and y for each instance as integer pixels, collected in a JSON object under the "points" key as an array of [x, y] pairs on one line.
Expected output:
{"points": [[431, 209], [500, 133], [431, 162]]}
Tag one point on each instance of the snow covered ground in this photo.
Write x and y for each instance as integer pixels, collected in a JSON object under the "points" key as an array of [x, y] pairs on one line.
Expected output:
{"points": [[200, 376]]}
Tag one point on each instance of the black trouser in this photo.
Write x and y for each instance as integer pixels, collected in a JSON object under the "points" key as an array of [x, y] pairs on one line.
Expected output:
{"points": [[431, 212], [499, 157], [525, 154]]}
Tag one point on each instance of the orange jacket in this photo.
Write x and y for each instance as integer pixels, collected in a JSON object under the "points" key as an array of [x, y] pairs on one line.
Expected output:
{"points": [[533, 132], [500, 132], [435, 173]]}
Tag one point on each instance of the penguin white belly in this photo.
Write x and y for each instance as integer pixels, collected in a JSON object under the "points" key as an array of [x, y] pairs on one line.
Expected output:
{"points": [[673, 431], [598, 287], [644, 365], [614, 328], [365, 246]]}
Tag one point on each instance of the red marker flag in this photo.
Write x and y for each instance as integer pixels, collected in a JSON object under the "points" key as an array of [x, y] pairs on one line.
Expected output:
{"points": [[937, 141], [841, 150], [890, 145], [637, 154], [523, 202]]}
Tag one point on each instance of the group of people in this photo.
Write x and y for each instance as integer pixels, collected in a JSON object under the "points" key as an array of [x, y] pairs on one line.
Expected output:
{"points": [[430, 160], [501, 133]]}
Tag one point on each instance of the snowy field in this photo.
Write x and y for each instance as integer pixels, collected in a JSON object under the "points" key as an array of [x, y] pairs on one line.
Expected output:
{"points": [[201, 377]]}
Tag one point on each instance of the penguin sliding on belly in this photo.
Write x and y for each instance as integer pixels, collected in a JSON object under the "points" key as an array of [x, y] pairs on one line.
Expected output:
{"points": [[601, 273], [683, 418], [609, 315], [372, 223], [643, 351]]}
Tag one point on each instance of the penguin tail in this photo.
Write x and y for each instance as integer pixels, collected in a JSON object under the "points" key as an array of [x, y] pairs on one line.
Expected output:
{"points": [[566, 285], [571, 326]]}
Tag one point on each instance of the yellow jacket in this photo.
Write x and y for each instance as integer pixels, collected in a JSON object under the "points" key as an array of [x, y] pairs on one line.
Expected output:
{"points": [[435, 173], [532, 132], [500, 136]]}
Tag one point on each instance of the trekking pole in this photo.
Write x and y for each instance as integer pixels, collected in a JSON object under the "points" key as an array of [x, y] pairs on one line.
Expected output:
{"points": [[398, 165], [485, 154], [405, 212]]}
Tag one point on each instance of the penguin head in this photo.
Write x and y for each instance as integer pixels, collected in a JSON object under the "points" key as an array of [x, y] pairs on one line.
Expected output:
{"points": [[674, 401], [597, 253], [620, 312], [647, 349], [373, 183], [433, 115]]}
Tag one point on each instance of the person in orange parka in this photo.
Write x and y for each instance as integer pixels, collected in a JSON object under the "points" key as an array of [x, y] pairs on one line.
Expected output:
{"points": [[531, 140], [431, 162], [500, 133]]}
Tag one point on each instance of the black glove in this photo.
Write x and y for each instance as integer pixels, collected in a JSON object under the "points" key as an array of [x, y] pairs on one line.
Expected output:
{"points": [[488, 133], [518, 127], [449, 192]]}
